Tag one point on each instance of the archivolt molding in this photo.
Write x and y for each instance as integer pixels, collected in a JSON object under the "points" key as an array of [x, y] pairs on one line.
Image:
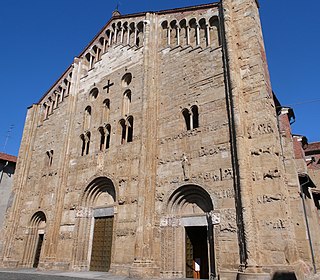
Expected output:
{"points": [[189, 194], [96, 185]]}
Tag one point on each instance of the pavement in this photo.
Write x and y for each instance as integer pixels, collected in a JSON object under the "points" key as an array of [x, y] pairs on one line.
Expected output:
{"points": [[34, 274]]}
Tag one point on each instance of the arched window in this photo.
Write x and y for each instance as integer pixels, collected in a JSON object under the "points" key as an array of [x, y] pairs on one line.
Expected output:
{"points": [[97, 52], [164, 34], [83, 144], [132, 31], [214, 32], [51, 102], [126, 79], [186, 115], [94, 94], [183, 33], [107, 40], [46, 109], [108, 136], [90, 59], [88, 136], [139, 37], [87, 118], [191, 117], [119, 33], [126, 102], [195, 117], [123, 130], [102, 42], [102, 138], [105, 135], [106, 110], [130, 129], [174, 38], [193, 32], [125, 33], [203, 33], [49, 158]]}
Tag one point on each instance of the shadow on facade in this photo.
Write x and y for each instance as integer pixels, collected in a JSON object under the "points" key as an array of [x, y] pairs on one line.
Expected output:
{"points": [[284, 276]]}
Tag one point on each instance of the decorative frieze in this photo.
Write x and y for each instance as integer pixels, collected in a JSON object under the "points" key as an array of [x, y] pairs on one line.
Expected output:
{"points": [[260, 129], [264, 199], [193, 132], [270, 174]]}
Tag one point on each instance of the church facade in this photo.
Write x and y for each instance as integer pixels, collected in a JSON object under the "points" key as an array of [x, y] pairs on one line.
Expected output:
{"points": [[158, 153]]}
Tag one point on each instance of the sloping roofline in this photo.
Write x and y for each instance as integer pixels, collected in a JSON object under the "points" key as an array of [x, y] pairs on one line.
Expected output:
{"points": [[161, 12], [7, 157]]}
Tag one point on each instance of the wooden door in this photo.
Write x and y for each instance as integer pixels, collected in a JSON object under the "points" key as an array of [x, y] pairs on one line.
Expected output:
{"points": [[102, 244]]}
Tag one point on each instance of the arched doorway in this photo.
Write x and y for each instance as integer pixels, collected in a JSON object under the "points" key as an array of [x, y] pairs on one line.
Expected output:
{"points": [[35, 240], [95, 226], [191, 205]]}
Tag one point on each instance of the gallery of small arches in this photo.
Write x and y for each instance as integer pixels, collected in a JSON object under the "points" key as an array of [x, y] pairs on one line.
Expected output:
{"points": [[203, 32], [125, 33]]}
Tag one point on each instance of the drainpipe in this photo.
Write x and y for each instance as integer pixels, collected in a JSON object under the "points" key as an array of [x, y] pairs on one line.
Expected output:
{"points": [[233, 142], [6, 164], [307, 224]]}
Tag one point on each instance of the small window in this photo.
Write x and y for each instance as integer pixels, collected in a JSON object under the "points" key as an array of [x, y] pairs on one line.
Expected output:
{"points": [[102, 138], [87, 118], [126, 79], [195, 117], [186, 115], [94, 94], [108, 136], [130, 129], [49, 158], [191, 117], [106, 110], [123, 130], [126, 102], [88, 136], [83, 144]]}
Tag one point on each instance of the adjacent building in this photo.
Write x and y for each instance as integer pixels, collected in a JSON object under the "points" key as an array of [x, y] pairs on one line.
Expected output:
{"points": [[7, 169]]}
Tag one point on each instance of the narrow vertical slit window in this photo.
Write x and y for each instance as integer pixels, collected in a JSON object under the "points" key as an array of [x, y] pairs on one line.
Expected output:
{"points": [[130, 129], [123, 131], [102, 138], [108, 136], [83, 144], [195, 117], [186, 115], [88, 142]]}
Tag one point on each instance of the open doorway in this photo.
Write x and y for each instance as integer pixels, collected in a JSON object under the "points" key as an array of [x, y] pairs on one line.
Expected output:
{"points": [[197, 264], [38, 251]]}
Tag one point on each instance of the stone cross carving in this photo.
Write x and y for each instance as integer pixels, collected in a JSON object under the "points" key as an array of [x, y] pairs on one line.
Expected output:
{"points": [[108, 85]]}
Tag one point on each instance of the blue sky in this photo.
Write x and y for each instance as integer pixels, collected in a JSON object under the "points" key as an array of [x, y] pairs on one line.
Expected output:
{"points": [[39, 40]]}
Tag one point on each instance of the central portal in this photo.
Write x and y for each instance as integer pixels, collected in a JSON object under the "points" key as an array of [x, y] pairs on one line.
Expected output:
{"points": [[102, 244], [197, 252]]}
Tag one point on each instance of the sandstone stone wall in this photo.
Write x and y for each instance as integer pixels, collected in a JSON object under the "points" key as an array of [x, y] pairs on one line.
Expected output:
{"points": [[165, 121]]}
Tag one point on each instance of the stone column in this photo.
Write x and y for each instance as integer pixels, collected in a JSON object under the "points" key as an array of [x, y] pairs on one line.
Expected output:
{"points": [[146, 264]]}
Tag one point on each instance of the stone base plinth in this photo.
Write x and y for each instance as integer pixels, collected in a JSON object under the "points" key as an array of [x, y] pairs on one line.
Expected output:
{"points": [[253, 276], [144, 269], [228, 275]]}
